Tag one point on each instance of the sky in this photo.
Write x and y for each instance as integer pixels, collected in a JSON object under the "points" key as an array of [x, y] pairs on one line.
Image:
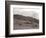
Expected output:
{"points": [[31, 11]]}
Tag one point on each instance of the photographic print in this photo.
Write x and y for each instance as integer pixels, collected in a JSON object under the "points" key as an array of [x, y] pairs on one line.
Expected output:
{"points": [[25, 18]]}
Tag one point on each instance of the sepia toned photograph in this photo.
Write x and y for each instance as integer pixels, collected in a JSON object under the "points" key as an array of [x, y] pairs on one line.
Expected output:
{"points": [[24, 18]]}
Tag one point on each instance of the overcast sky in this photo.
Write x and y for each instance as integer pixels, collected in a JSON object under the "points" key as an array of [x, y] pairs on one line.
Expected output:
{"points": [[31, 11]]}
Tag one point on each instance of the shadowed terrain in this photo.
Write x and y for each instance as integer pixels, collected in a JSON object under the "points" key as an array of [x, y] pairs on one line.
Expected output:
{"points": [[22, 22]]}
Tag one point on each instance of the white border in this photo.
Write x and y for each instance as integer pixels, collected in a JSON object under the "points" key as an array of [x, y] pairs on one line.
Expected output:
{"points": [[26, 30]]}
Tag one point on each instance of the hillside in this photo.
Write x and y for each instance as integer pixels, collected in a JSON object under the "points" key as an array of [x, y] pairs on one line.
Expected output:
{"points": [[22, 22]]}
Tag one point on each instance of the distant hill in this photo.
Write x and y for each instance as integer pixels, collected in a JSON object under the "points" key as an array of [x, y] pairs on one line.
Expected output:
{"points": [[20, 17], [23, 22]]}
